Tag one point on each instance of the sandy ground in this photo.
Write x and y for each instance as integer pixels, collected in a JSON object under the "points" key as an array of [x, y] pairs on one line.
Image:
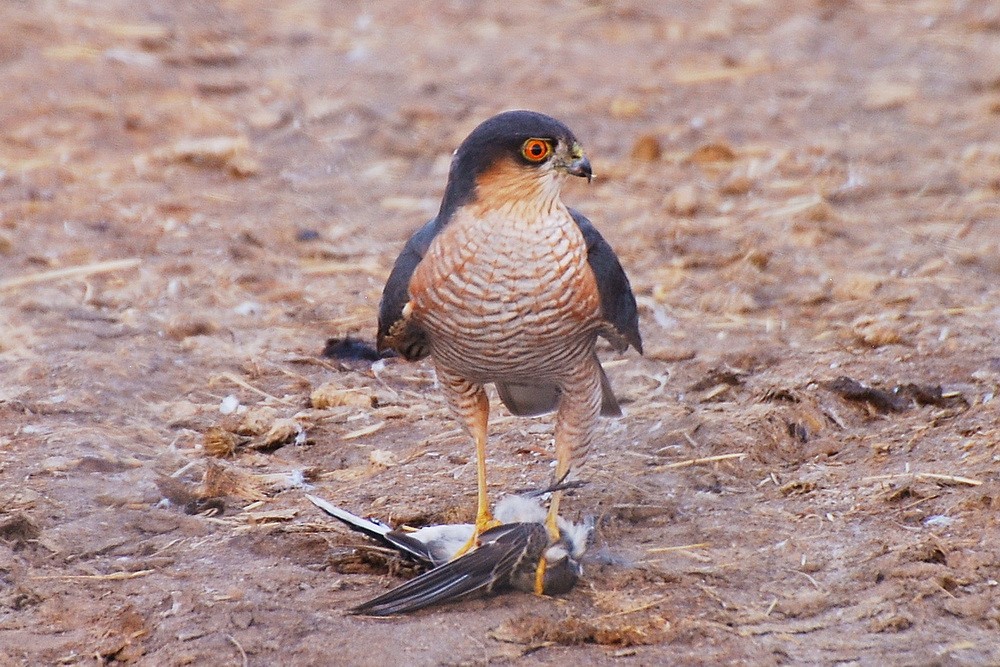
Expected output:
{"points": [[195, 196]]}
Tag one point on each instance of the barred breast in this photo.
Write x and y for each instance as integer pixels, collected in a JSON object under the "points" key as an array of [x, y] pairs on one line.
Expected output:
{"points": [[507, 300]]}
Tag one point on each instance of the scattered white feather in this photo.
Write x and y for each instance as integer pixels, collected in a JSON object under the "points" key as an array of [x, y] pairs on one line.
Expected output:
{"points": [[229, 405]]}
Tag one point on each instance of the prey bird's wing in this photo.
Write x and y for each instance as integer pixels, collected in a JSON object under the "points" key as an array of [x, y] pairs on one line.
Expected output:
{"points": [[504, 553], [393, 331], [379, 532]]}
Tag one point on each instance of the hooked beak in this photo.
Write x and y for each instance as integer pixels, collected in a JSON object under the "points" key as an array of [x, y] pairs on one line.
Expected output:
{"points": [[580, 167]]}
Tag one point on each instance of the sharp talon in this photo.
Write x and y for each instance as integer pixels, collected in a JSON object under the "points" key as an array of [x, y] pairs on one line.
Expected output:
{"points": [[483, 524], [540, 577], [468, 546]]}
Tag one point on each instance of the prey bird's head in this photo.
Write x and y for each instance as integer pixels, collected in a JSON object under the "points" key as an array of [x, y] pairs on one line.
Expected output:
{"points": [[514, 158]]}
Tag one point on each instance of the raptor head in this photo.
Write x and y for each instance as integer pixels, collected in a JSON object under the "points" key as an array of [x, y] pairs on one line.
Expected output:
{"points": [[514, 156]]}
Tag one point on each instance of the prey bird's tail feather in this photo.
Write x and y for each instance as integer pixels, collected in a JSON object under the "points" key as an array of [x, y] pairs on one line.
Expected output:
{"points": [[374, 529], [379, 532]]}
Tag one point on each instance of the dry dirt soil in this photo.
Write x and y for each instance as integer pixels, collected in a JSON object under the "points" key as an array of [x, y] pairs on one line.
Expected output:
{"points": [[195, 196]]}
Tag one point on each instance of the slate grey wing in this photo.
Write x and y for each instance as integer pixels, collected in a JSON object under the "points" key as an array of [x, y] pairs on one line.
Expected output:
{"points": [[394, 331], [619, 310], [503, 554], [617, 301]]}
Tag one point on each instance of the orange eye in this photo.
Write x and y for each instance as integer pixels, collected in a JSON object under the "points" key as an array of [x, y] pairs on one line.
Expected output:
{"points": [[536, 150]]}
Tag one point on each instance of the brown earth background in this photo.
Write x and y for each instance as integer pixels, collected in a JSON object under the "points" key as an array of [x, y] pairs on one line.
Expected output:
{"points": [[194, 196]]}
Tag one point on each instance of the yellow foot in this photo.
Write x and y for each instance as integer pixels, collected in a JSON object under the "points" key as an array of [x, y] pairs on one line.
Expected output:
{"points": [[552, 525], [486, 523], [540, 577], [483, 524], [552, 518]]}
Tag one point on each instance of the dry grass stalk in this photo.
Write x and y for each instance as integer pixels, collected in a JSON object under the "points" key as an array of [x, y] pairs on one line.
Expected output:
{"points": [[369, 267], [114, 576], [631, 610], [808, 204], [705, 459], [70, 272], [272, 516], [681, 547], [691, 75], [932, 476], [246, 385], [362, 432]]}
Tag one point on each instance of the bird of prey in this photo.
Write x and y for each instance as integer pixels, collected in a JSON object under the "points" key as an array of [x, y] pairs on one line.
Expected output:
{"points": [[506, 558], [509, 286]]}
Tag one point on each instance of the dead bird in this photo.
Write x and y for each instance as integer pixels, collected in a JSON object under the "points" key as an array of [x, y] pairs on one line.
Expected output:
{"points": [[505, 559]]}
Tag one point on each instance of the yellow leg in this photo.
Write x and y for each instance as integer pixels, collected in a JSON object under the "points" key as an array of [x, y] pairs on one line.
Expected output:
{"points": [[552, 524], [551, 521], [540, 577], [579, 407], [477, 422], [564, 455]]}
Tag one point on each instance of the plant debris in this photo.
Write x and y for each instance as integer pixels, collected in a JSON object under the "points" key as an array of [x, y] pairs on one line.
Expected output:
{"points": [[900, 398], [350, 349]]}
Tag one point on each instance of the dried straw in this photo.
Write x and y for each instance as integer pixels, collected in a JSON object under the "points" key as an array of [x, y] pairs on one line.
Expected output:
{"points": [[704, 459], [69, 272]]}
